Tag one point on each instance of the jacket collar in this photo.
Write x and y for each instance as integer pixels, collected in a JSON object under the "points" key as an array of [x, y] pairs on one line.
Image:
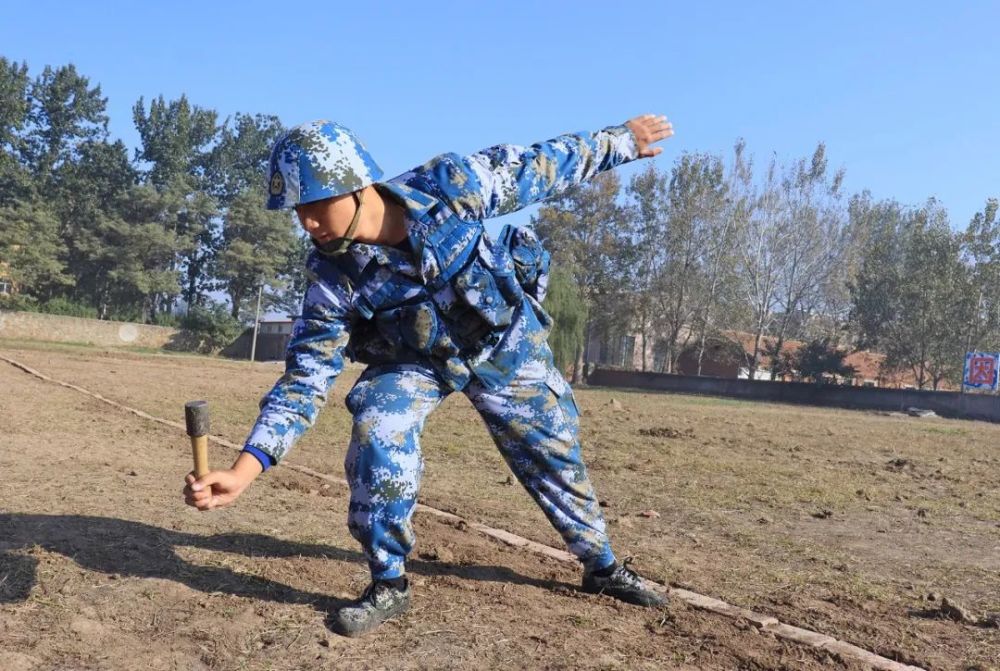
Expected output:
{"points": [[418, 206]]}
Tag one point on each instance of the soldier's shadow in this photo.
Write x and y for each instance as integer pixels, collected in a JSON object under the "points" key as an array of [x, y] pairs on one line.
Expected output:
{"points": [[125, 548]]}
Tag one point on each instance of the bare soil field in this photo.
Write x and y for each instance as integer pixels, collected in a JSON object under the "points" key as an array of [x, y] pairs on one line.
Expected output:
{"points": [[853, 524]]}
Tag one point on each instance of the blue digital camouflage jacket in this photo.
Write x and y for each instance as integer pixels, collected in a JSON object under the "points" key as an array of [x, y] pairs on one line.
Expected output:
{"points": [[457, 301]]}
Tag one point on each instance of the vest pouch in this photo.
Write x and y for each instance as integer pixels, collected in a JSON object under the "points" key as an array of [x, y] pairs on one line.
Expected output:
{"points": [[414, 326], [488, 287], [531, 260]]}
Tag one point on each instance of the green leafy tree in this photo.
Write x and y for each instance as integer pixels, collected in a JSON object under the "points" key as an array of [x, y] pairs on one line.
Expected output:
{"points": [[177, 143], [65, 112], [90, 193], [14, 106], [588, 230], [238, 162], [29, 250], [981, 247], [175, 136], [147, 243], [912, 297], [129, 255], [565, 303], [258, 248], [209, 328], [818, 359], [198, 224]]}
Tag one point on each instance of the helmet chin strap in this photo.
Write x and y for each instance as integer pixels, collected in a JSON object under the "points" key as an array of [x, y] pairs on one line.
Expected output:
{"points": [[345, 241]]}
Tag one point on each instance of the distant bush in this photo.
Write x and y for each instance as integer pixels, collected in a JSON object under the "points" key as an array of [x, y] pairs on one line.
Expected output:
{"points": [[209, 329], [18, 303], [167, 319], [60, 305], [68, 308]]}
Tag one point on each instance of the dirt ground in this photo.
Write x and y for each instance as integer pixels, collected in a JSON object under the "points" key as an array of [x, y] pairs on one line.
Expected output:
{"points": [[849, 523]]}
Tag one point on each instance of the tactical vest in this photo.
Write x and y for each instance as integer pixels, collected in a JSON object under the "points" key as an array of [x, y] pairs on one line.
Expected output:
{"points": [[462, 311]]}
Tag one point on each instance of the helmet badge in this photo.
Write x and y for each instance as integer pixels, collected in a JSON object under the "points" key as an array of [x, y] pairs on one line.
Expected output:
{"points": [[277, 184]]}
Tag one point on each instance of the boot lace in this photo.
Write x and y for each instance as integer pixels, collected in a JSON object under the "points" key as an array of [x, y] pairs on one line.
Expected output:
{"points": [[627, 575]]}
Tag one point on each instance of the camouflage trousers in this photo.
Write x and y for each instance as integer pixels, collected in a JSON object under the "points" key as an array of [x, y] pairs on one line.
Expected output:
{"points": [[534, 422]]}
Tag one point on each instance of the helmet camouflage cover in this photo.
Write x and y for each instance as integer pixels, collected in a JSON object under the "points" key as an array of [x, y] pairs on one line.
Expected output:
{"points": [[317, 160]]}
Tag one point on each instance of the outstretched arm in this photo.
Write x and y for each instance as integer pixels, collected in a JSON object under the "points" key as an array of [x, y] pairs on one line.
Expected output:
{"points": [[314, 359], [505, 178]]}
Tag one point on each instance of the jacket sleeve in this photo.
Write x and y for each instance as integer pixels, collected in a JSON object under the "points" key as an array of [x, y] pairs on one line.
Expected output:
{"points": [[314, 358], [506, 178]]}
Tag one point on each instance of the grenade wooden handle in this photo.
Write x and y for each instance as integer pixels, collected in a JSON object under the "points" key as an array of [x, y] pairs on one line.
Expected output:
{"points": [[196, 418]]}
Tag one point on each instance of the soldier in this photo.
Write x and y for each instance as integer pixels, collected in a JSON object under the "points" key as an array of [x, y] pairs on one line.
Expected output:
{"points": [[405, 279]]}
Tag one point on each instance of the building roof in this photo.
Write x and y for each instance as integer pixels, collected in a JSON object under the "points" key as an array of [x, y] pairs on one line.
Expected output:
{"points": [[867, 364]]}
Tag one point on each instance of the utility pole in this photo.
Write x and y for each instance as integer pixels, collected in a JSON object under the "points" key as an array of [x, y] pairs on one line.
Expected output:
{"points": [[256, 325]]}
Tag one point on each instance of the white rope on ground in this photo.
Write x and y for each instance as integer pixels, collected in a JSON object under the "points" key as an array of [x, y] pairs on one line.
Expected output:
{"points": [[765, 623]]}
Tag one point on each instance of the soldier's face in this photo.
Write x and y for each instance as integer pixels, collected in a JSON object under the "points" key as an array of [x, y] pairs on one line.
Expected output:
{"points": [[326, 219]]}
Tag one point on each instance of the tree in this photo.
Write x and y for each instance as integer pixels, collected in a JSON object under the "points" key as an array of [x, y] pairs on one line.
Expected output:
{"points": [[65, 112], [177, 142], [819, 358], [146, 242], [791, 230], [813, 240], [259, 247], [209, 328], [587, 230], [673, 223], [911, 299], [13, 104], [718, 303], [14, 183], [29, 250], [981, 250], [568, 309], [238, 162], [175, 138], [761, 229], [86, 193], [648, 210]]}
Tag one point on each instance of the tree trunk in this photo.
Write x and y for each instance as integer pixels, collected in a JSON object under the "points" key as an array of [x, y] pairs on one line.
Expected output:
{"points": [[236, 297], [701, 349], [752, 368], [577, 363], [588, 332], [643, 334], [776, 361], [189, 294]]}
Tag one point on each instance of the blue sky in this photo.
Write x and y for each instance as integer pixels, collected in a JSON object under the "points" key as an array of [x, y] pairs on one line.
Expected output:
{"points": [[904, 93]]}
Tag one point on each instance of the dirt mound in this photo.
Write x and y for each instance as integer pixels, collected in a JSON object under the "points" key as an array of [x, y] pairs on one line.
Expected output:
{"points": [[667, 432]]}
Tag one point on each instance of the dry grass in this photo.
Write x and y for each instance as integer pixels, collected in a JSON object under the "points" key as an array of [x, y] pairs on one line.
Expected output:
{"points": [[838, 520]]}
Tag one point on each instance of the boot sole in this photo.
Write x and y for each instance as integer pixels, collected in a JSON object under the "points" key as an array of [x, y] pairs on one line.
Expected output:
{"points": [[633, 599]]}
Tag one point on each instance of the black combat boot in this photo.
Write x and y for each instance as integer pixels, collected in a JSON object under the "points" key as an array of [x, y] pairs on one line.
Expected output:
{"points": [[624, 584], [380, 601]]}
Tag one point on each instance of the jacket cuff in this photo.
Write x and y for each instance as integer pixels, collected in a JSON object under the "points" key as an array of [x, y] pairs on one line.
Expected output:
{"points": [[623, 142], [265, 459]]}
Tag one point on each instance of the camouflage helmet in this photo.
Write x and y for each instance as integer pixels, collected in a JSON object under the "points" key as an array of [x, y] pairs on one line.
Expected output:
{"points": [[317, 160]]}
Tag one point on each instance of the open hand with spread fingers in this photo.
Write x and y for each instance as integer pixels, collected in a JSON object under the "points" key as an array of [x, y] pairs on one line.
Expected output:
{"points": [[649, 129]]}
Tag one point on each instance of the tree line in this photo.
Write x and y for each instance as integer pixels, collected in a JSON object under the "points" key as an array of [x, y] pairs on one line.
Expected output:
{"points": [[679, 256], [777, 250], [87, 229]]}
